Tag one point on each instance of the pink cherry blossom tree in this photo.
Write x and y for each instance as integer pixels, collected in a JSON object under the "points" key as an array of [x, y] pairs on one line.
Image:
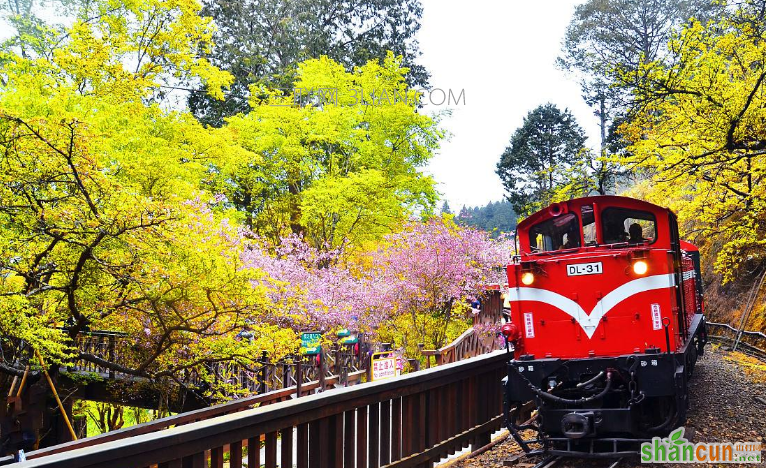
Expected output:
{"points": [[311, 288], [414, 287], [434, 269]]}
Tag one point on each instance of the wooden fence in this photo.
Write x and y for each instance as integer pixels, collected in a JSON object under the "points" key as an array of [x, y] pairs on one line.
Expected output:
{"points": [[748, 341], [476, 340], [470, 344], [414, 420]]}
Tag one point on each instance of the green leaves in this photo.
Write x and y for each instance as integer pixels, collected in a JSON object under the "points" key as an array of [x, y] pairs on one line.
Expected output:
{"points": [[262, 42], [338, 169], [128, 50], [541, 151], [104, 221], [118, 212], [700, 136]]}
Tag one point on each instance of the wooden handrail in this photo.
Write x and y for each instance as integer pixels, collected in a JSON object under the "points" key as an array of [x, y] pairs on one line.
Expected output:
{"points": [[744, 332], [465, 346], [408, 421], [468, 343], [757, 340], [445, 349], [190, 416]]}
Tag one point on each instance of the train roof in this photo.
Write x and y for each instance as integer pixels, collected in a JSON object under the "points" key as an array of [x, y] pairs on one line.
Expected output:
{"points": [[556, 209]]}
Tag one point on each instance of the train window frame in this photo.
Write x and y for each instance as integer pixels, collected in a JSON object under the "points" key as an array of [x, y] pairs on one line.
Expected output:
{"points": [[649, 216], [588, 213], [531, 234]]}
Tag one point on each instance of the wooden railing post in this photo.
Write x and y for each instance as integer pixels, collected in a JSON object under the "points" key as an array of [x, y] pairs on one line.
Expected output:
{"points": [[338, 361], [482, 394], [286, 373], [262, 374], [299, 376], [322, 364], [111, 354], [368, 359], [420, 352]]}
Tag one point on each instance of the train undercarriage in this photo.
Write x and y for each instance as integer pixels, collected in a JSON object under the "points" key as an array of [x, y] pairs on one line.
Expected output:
{"points": [[600, 406]]}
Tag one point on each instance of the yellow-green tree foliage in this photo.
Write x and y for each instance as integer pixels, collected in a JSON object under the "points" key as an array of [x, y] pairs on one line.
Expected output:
{"points": [[700, 134], [119, 211], [103, 223], [336, 158]]}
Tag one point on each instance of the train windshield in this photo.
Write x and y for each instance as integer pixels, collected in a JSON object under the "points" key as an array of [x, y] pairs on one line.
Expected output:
{"points": [[562, 232], [622, 225]]}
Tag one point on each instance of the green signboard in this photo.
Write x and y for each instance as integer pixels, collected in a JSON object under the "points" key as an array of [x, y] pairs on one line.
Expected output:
{"points": [[347, 338], [352, 339], [310, 342]]}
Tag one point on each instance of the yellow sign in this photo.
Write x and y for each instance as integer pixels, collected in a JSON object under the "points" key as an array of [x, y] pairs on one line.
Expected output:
{"points": [[383, 366]]}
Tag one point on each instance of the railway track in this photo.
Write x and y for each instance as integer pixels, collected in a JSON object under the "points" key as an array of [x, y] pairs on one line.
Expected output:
{"points": [[549, 462], [563, 462]]}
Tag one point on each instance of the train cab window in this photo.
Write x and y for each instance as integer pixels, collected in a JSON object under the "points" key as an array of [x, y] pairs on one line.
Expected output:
{"points": [[562, 232], [621, 225], [588, 225]]}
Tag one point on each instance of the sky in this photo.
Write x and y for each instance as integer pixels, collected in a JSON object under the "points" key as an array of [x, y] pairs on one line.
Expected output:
{"points": [[503, 54]]}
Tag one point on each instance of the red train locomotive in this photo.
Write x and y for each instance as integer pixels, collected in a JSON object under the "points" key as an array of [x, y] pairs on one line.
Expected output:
{"points": [[606, 326]]}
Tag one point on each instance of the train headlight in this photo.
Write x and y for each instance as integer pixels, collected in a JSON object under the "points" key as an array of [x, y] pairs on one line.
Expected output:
{"points": [[528, 278], [640, 267]]}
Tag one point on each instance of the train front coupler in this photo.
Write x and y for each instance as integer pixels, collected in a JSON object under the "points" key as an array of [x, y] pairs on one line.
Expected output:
{"points": [[517, 412], [518, 419]]}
